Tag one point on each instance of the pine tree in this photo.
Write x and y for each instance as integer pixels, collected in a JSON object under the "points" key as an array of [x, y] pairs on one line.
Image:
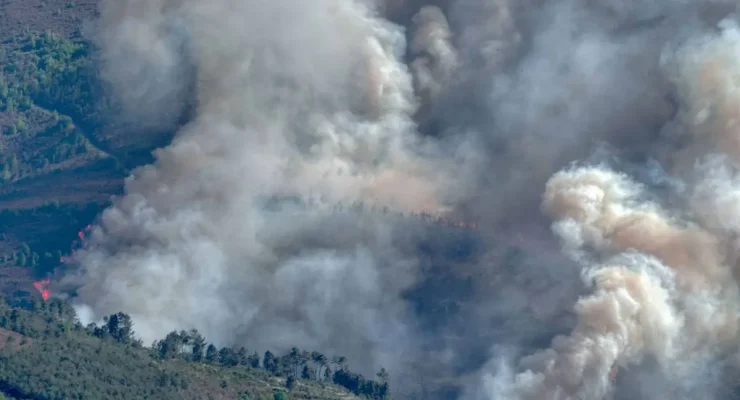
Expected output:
{"points": [[241, 356], [198, 343], [211, 353], [306, 373], [254, 360], [22, 259], [290, 382], [270, 362]]}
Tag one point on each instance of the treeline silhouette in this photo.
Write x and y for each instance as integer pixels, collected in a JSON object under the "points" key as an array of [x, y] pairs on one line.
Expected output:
{"points": [[45, 352], [296, 365]]}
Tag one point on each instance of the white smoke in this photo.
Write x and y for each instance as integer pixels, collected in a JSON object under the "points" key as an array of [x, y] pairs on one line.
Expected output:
{"points": [[315, 100], [664, 286], [305, 100], [436, 59]]}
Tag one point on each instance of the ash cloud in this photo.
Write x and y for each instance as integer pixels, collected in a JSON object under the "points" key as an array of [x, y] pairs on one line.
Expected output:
{"points": [[476, 108]]}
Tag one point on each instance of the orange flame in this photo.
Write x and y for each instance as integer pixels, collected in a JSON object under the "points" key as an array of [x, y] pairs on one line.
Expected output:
{"points": [[613, 374], [76, 244], [41, 286]]}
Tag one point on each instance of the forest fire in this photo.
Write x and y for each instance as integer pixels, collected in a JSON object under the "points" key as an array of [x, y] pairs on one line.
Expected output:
{"points": [[80, 242], [82, 236], [41, 286]]}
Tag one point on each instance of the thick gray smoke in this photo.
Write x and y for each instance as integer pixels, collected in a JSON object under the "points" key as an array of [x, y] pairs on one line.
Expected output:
{"points": [[305, 100], [663, 281], [474, 107]]}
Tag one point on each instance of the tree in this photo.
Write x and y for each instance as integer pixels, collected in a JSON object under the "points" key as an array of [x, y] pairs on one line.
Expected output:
{"points": [[120, 328], [254, 360], [170, 346], [20, 125], [22, 259], [382, 375], [270, 362], [339, 362], [14, 164], [290, 382], [320, 362], [185, 344], [294, 359], [227, 357], [5, 175], [211, 353], [241, 356], [306, 373], [303, 359], [361, 386], [34, 259], [198, 343], [280, 396], [382, 390]]}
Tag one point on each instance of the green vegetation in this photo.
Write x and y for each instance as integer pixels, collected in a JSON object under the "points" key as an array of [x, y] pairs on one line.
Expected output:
{"points": [[46, 354], [49, 101], [51, 71], [295, 366], [52, 227]]}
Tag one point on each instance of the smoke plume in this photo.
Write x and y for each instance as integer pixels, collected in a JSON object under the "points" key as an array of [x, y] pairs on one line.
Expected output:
{"points": [[663, 282], [291, 100], [612, 124]]}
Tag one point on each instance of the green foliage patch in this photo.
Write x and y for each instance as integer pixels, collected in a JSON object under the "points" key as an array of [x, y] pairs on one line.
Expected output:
{"points": [[49, 100], [58, 358]]}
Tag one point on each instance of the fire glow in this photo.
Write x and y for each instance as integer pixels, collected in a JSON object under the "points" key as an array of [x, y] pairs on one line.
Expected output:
{"points": [[80, 242], [41, 286]]}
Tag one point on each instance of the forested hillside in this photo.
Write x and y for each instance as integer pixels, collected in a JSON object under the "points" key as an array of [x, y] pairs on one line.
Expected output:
{"points": [[55, 171], [47, 354], [62, 155]]}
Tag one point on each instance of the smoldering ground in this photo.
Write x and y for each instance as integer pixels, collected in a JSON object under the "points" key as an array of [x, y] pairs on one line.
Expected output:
{"points": [[462, 107]]}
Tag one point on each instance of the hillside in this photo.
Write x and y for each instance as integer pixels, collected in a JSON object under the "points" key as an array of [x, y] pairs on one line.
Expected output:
{"points": [[62, 156], [46, 354]]}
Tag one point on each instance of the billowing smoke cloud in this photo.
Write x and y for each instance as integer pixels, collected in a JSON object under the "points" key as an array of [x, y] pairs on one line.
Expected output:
{"points": [[475, 107], [436, 58], [663, 283], [306, 100]]}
